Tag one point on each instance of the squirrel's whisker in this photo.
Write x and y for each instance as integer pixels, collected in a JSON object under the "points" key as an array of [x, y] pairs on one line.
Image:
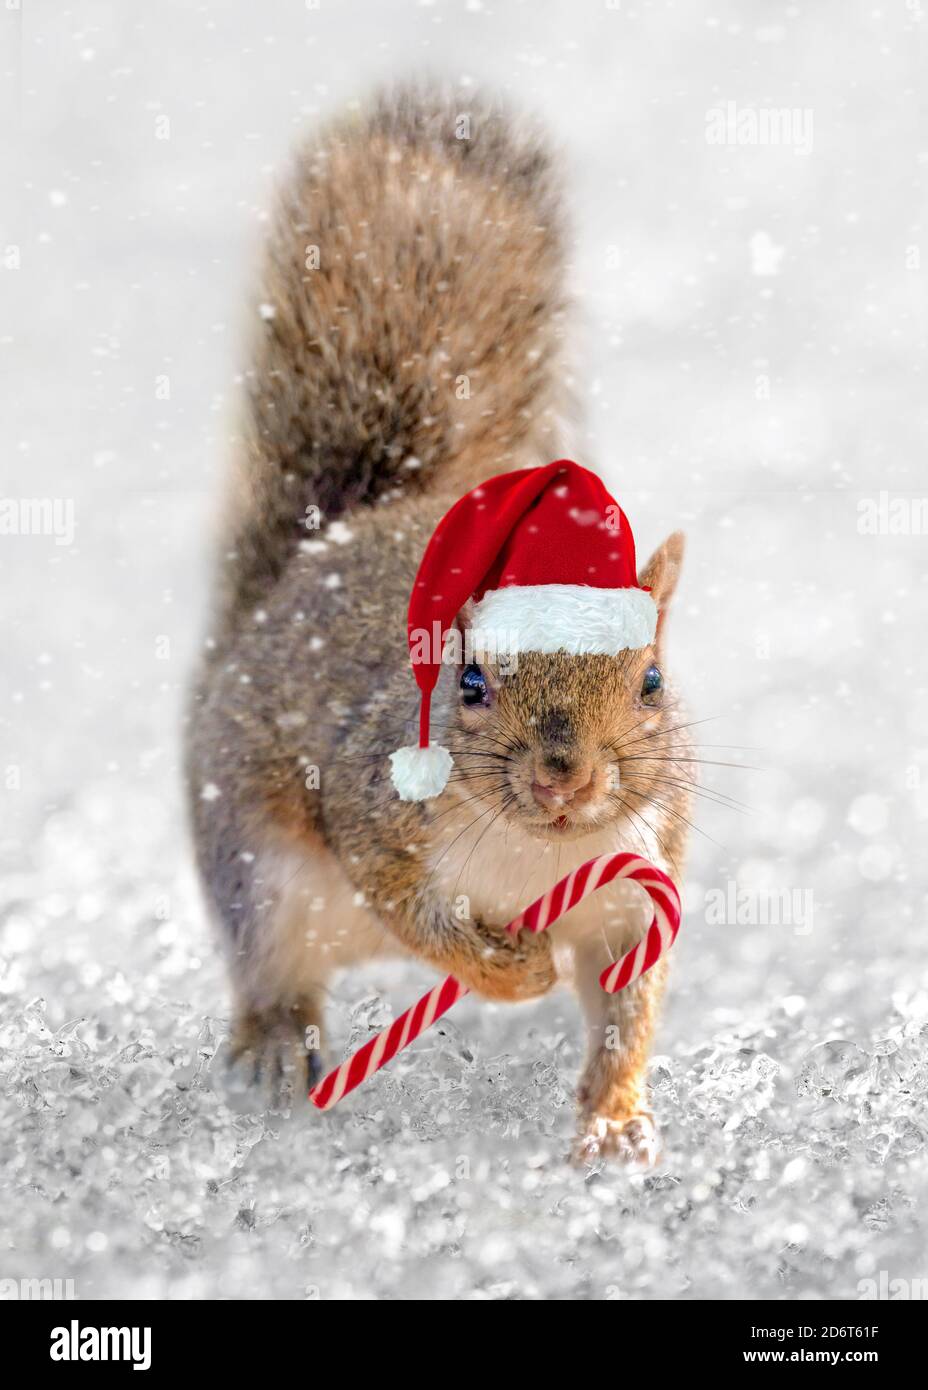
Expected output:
{"points": [[658, 733], [710, 794], [504, 805], [662, 805], [699, 762], [647, 850]]}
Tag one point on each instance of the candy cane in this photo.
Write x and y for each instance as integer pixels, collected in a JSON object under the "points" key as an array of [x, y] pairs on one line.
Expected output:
{"points": [[594, 874]]}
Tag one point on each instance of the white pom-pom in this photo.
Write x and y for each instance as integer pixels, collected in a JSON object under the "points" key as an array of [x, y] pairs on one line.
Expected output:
{"points": [[419, 773]]}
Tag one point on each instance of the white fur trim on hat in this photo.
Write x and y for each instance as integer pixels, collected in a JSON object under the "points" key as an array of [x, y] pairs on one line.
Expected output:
{"points": [[419, 773], [573, 618]]}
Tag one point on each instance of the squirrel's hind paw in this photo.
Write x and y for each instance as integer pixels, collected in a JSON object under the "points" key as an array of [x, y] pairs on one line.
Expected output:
{"points": [[633, 1141], [268, 1052]]}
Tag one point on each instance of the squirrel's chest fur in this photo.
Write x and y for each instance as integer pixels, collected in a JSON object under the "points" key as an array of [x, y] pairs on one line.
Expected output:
{"points": [[487, 874], [491, 874]]}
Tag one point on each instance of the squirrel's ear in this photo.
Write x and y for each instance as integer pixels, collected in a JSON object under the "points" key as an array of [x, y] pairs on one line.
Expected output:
{"points": [[662, 571]]}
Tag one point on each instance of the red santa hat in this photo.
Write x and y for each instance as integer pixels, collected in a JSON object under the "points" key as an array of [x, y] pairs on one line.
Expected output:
{"points": [[548, 557]]}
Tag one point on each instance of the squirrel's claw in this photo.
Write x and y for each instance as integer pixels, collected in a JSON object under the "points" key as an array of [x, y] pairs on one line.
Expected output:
{"points": [[633, 1140], [267, 1052]]}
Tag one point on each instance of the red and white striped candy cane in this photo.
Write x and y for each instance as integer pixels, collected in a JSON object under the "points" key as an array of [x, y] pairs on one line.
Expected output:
{"points": [[595, 873]]}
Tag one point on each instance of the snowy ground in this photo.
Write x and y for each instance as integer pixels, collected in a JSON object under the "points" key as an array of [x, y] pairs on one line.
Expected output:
{"points": [[752, 350]]}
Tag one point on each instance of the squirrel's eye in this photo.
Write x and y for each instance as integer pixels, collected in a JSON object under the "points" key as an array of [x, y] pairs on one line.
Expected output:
{"points": [[474, 687], [652, 686]]}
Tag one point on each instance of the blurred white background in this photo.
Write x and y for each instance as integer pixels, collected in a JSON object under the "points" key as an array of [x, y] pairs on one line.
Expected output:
{"points": [[750, 350]]}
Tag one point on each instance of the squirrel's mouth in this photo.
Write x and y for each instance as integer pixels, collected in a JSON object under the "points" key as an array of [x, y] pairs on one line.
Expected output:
{"points": [[552, 815], [561, 826]]}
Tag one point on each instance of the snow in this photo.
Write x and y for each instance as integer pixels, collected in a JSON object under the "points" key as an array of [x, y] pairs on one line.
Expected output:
{"points": [[339, 533], [763, 414], [794, 1138]]}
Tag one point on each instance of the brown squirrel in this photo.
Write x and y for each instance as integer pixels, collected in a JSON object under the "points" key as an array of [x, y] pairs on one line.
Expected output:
{"points": [[409, 346]]}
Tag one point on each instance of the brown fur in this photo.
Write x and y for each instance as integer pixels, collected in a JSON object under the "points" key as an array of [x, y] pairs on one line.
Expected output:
{"points": [[437, 260], [423, 351]]}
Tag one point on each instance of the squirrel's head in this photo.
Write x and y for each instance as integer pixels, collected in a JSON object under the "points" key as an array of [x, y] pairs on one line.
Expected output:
{"points": [[566, 744]]}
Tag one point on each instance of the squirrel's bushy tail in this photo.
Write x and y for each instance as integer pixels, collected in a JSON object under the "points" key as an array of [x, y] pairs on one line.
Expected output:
{"points": [[407, 327]]}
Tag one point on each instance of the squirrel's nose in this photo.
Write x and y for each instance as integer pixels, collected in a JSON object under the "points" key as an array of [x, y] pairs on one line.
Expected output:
{"points": [[560, 788]]}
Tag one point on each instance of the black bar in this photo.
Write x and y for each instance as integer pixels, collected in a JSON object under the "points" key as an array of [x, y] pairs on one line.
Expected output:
{"points": [[263, 1337]]}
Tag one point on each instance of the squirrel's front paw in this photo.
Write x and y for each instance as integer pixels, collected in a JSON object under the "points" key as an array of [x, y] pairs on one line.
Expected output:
{"points": [[512, 967]]}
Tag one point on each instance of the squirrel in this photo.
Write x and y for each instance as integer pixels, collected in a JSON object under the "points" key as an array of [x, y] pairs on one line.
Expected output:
{"points": [[409, 344]]}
